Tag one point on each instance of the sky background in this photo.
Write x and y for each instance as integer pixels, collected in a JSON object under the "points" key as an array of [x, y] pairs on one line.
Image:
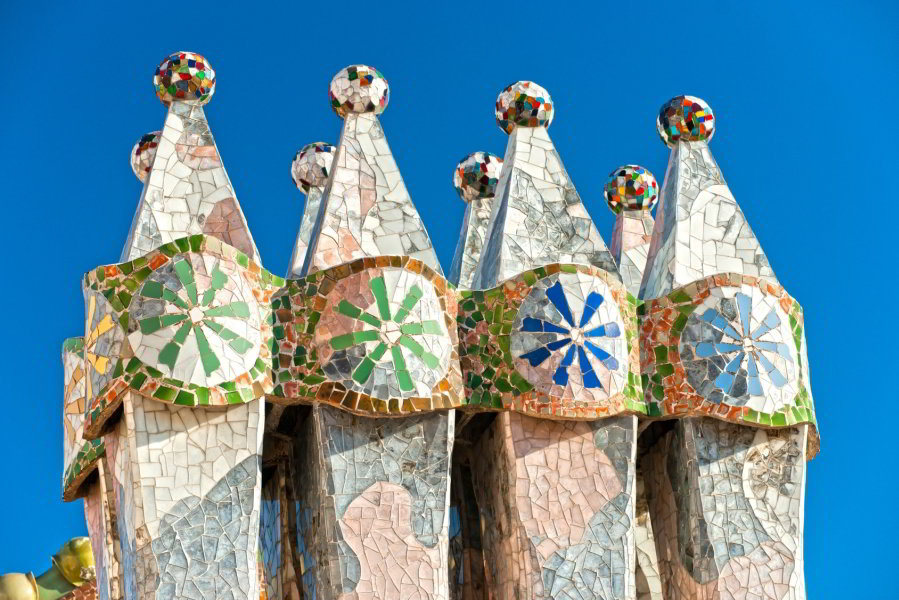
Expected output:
{"points": [[805, 98]]}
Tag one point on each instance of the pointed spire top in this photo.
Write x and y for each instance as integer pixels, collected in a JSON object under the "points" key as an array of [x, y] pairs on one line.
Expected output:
{"points": [[524, 104], [367, 211], [685, 118], [186, 191], [631, 187], [475, 179], [143, 153], [359, 89], [184, 76], [537, 217], [312, 165], [476, 175], [310, 170], [701, 230]]}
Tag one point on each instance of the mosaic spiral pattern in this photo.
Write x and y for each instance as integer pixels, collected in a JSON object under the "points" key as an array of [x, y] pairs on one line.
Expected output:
{"points": [[631, 187], [197, 319], [312, 165], [143, 153], [738, 348], [524, 103], [685, 118], [184, 76], [476, 175], [570, 330], [359, 89]]}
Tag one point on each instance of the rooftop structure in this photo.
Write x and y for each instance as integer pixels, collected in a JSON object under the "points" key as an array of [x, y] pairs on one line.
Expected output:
{"points": [[559, 418]]}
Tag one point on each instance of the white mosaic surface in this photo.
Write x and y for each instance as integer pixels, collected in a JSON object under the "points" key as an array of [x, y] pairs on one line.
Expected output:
{"points": [[187, 191], [537, 216], [471, 242], [310, 170], [368, 211], [630, 246], [727, 503], [188, 495], [701, 229]]}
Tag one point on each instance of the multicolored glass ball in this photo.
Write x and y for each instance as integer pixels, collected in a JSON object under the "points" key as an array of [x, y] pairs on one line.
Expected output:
{"points": [[359, 89], [476, 175], [685, 118], [143, 153], [312, 165], [184, 76], [524, 104], [631, 187]]}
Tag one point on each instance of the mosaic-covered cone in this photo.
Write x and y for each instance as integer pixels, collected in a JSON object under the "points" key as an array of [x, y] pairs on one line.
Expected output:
{"points": [[720, 336], [310, 170], [538, 217], [187, 191], [475, 179], [368, 211], [702, 230]]}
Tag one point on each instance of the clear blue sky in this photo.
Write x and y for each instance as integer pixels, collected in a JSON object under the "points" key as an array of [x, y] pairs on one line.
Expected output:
{"points": [[805, 96]]}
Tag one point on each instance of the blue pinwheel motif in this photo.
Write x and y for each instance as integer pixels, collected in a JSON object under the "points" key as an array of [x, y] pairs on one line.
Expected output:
{"points": [[739, 350], [590, 342]]}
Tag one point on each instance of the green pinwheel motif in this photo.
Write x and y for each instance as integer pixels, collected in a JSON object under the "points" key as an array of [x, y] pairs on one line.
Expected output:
{"points": [[388, 339], [196, 320]]}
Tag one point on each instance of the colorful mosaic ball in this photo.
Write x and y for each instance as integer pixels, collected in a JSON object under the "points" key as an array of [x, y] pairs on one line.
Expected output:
{"points": [[476, 175], [184, 76], [631, 187], [312, 165], [523, 103], [685, 118], [359, 89], [143, 153]]}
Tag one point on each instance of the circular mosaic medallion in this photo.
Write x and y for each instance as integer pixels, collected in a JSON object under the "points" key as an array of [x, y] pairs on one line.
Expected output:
{"points": [[196, 320], [386, 334], [569, 337], [738, 349]]}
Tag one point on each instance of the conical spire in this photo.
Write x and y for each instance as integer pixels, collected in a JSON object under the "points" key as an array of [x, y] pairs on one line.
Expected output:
{"points": [[537, 217], [186, 189], [475, 179], [631, 192], [367, 210], [310, 169], [701, 229]]}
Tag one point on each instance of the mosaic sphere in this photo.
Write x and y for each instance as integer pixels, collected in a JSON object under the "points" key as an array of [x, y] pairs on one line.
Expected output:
{"points": [[143, 153], [685, 118], [631, 187], [359, 89], [312, 165], [476, 175], [184, 76], [523, 103]]}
